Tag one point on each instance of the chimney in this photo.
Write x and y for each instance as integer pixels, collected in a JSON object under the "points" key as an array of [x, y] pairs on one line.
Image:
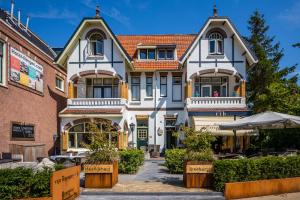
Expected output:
{"points": [[215, 11], [27, 22], [19, 17], [12, 9], [97, 12]]}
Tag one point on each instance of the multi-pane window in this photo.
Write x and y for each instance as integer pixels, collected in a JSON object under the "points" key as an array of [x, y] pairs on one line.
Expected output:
{"points": [[59, 83], [96, 44], [216, 43], [176, 88], [147, 54], [149, 86], [102, 87], [166, 54], [163, 86], [211, 87], [135, 88], [1, 62]]}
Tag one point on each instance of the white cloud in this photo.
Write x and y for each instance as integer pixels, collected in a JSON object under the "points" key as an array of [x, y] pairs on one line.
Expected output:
{"points": [[292, 14]]}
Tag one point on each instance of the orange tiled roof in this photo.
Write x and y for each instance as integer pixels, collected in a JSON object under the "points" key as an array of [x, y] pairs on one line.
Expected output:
{"points": [[131, 42]]}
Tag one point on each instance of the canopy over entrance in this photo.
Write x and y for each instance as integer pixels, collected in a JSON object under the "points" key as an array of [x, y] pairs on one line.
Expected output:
{"points": [[265, 120]]}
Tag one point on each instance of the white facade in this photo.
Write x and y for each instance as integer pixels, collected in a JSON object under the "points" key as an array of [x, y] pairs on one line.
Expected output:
{"points": [[113, 63]]}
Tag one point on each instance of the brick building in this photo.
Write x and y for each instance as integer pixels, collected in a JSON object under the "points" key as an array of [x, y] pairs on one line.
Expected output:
{"points": [[32, 88]]}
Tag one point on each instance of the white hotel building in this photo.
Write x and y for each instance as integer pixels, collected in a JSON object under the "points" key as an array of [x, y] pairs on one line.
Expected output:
{"points": [[146, 86]]}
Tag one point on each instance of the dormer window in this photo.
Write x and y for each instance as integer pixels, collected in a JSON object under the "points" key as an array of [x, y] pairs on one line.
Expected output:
{"points": [[147, 54], [96, 44], [216, 43], [166, 54]]}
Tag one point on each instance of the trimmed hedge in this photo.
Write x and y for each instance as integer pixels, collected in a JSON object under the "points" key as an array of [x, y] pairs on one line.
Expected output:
{"points": [[242, 170], [24, 183], [130, 161], [175, 160]]}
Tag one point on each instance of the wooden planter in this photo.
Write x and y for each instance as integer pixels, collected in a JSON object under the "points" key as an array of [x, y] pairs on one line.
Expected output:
{"points": [[198, 174], [101, 175], [248, 189]]}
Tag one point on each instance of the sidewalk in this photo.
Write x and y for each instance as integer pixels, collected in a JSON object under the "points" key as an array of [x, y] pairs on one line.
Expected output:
{"points": [[288, 196]]}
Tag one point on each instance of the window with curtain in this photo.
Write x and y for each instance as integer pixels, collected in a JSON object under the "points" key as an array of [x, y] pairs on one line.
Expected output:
{"points": [[149, 86], [135, 88], [163, 86], [176, 88]]}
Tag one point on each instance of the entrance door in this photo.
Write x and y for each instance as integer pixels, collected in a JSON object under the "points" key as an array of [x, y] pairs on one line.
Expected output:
{"points": [[171, 140], [142, 137]]}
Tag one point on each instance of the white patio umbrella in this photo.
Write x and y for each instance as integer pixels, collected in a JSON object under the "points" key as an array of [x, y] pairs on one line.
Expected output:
{"points": [[265, 120]]}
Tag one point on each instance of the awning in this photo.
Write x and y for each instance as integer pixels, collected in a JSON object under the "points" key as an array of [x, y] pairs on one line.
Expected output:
{"points": [[211, 124]]}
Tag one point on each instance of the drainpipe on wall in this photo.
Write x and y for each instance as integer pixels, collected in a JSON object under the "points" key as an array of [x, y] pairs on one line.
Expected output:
{"points": [[155, 111]]}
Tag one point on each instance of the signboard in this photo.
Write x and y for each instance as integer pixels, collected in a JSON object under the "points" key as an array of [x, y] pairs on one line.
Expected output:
{"points": [[97, 169], [25, 71], [199, 169], [65, 183], [22, 131]]}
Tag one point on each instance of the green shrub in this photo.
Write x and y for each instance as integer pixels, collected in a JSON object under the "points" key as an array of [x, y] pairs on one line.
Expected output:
{"points": [[24, 183], [130, 161], [226, 171], [59, 167], [175, 160]]}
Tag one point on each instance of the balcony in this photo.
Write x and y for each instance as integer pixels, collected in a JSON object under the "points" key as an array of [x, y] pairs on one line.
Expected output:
{"points": [[216, 102], [97, 103]]}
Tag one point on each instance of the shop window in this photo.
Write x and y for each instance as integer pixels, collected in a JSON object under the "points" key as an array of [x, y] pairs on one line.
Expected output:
{"points": [[135, 88], [176, 88], [163, 86], [82, 134], [59, 83]]}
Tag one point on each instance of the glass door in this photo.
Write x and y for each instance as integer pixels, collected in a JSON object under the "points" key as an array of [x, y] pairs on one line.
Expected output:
{"points": [[206, 90], [97, 92]]}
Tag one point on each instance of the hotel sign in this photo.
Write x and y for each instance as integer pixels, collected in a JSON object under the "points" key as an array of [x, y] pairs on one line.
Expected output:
{"points": [[199, 169], [22, 131], [97, 169]]}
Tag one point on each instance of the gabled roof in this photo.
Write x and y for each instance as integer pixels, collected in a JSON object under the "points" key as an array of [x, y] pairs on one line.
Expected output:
{"points": [[251, 55], [76, 34], [132, 42], [28, 35]]}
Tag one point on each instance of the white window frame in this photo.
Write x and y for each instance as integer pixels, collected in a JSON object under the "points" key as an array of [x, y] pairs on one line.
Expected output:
{"points": [[202, 93], [147, 54], [91, 47], [62, 88], [3, 73], [216, 38]]}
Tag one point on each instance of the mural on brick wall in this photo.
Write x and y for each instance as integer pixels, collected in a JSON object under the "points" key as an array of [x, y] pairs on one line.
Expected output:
{"points": [[25, 71]]}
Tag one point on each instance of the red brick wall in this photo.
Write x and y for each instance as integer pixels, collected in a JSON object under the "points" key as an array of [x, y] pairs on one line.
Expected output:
{"points": [[21, 104]]}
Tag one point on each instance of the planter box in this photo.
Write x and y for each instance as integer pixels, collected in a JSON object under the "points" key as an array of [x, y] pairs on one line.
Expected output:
{"points": [[101, 175], [247, 189], [198, 174]]}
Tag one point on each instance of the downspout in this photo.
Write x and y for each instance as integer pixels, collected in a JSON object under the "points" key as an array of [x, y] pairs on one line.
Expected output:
{"points": [[155, 111]]}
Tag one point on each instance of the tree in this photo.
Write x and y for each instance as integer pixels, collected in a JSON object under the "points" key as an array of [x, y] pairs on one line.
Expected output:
{"points": [[269, 84], [297, 45]]}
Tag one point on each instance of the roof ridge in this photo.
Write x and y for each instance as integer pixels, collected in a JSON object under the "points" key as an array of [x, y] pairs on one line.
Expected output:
{"points": [[159, 34]]}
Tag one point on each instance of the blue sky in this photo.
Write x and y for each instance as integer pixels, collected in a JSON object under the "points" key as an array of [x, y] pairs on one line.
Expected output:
{"points": [[55, 20]]}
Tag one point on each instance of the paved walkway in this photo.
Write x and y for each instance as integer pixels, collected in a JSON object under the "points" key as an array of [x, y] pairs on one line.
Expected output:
{"points": [[151, 177]]}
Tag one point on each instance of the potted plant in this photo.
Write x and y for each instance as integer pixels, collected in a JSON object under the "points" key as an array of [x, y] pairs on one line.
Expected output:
{"points": [[198, 165], [101, 166]]}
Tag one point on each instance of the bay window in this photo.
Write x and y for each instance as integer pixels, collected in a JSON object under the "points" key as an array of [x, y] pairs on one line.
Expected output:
{"points": [[135, 88], [211, 87]]}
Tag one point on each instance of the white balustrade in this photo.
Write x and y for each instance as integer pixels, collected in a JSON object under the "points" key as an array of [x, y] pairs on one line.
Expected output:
{"points": [[216, 102], [96, 102]]}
